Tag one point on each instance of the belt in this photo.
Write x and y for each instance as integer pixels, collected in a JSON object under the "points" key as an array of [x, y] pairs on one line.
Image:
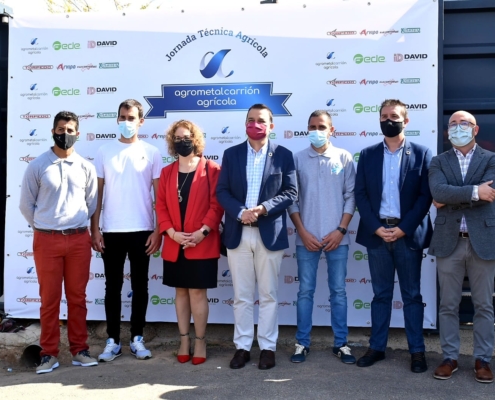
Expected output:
{"points": [[390, 221], [464, 235], [63, 232], [252, 224]]}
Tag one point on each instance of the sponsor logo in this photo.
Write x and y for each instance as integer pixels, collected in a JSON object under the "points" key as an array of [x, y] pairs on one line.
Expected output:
{"points": [[64, 67], [156, 277], [30, 270], [359, 304], [34, 93], [284, 303], [364, 133], [25, 254], [331, 64], [418, 107], [409, 57], [359, 255], [168, 159], [110, 43], [334, 111], [369, 82], [296, 134], [109, 65], [127, 275], [359, 59], [359, 108], [397, 305], [389, 82], [286, 256], [26, 300], [336, 82], [106, 115], [212, 157], [89, 158], [225, 130], [413, 133], [86, 67], [226, 273], [290, 279], [214, 66], [156, 300], [336, 134], [31, 67], [291, 231], [350, 280], [56, 91], [100, 302], [272, 135], [335, 33], [101, 90], [384, 33], [129, 294], [157, 136], [30, 116], [366, 33], [98, 276], [409, 81], [365, 280], [356, 159], [37, 49], [229, 302], [157, 253], [410, 30], [27, 158], [213, 300], [86, 116], [100, 136], [65, 46]]}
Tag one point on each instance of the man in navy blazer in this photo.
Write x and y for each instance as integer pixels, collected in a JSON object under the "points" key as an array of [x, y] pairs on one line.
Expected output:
{"points": [[257, 184], [393, 199]]}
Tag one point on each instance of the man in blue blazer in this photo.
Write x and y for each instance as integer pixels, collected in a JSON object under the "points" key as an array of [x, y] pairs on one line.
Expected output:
{"points": [[257, 184], [393, 199]]}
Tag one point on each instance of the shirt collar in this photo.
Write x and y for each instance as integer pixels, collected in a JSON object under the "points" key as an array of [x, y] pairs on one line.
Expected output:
{"points": [[327, 153], [458, 153], [55, 159], [399, 149], [263, 150]]}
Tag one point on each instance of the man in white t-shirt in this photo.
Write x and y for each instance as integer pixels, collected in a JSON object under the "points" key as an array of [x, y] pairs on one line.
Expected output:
{"points": [[127, 170]]}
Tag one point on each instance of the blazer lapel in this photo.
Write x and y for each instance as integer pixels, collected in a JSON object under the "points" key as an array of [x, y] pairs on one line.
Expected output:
{"points": [[242, 157], [379, 173], [454, 165], [404, 165], [270, 152], [474, 164]]}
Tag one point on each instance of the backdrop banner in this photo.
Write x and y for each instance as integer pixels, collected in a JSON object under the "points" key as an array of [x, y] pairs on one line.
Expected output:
{"points": [[209, 64]]}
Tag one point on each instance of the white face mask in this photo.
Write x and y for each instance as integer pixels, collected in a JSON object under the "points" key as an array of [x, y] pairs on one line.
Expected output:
{"points": [[461, 137], [127, 129]]}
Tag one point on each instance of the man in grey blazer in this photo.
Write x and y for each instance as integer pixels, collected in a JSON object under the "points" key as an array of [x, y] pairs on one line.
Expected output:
{"points": [[460, 183]]}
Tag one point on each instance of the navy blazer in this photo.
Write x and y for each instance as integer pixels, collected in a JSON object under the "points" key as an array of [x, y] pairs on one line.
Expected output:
{"points": [[278, 191], [415, 196]]}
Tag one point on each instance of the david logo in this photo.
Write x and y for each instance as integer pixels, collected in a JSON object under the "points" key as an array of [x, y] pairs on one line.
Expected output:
{"points": [[214, 65]]}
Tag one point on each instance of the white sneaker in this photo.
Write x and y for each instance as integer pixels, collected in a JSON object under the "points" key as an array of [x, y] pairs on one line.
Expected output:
{"points": [[47, 364], [84, 359], [138, 349], [111, 351]]}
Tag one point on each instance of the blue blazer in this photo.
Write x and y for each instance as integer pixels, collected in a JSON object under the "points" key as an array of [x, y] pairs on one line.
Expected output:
{"points": [[415, 196], [278, 191]]}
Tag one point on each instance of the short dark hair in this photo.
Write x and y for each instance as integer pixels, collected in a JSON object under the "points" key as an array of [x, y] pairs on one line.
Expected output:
{"points": [[319, 113], [129, 103], [66, 116], [394, 102], [260, 106]]}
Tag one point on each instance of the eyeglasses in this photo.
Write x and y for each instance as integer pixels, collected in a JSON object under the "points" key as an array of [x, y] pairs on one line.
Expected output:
{"points": [[464, 125], [185, 139]]}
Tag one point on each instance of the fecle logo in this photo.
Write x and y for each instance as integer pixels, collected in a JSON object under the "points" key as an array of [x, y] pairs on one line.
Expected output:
{"points": [[359, 59], [359, 108], [359, 304], [214, 66], [56, 91], [65, 46]]}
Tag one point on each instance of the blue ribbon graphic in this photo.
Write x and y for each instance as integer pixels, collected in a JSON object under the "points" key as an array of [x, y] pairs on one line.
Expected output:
{"points": [[216, 97]]}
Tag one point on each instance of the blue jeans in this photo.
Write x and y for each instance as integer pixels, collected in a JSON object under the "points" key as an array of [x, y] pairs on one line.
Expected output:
{"points": [[383, 262], [307, 267]]}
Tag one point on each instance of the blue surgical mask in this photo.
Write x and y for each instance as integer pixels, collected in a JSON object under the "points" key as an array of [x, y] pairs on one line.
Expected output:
{"points": [[127, 129], [460, 137], [318, 138]]}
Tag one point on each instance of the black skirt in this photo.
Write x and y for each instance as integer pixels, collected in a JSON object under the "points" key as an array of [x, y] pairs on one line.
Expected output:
{"points": [[190, 274]]}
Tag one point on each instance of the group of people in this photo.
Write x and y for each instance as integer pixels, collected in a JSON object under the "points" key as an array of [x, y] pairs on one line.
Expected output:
{"points": [[258, 184]]}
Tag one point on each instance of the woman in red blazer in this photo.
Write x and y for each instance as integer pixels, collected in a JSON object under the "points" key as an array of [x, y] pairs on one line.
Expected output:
{"points": [[189, 216]]}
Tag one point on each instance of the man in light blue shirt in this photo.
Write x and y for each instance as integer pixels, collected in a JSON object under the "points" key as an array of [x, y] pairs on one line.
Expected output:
{"points": [[321, 215]]}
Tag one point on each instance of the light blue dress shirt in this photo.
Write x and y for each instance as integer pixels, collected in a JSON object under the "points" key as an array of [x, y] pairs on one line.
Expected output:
{"points": [[390, 205]]}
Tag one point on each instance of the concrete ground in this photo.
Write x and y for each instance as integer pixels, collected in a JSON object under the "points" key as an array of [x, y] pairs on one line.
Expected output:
{"points": [[321, 376]]}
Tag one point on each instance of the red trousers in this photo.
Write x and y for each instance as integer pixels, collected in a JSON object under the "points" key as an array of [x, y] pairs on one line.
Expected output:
{"points": [[66, 259]]}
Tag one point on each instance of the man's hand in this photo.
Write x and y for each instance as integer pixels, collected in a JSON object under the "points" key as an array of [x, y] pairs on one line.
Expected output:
{"points": [[249, 216], [98, 243], [309, 241], [397, 233], [389, 234], [437, 204], [259, 210], [332, 240], [153, 243], [485, 192]]}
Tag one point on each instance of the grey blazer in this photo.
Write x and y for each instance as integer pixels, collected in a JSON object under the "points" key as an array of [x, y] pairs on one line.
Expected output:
{"points": [[447, 187]]}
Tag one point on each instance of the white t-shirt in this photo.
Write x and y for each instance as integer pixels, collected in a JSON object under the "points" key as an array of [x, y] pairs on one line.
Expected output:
{"points": [[128, 170]]}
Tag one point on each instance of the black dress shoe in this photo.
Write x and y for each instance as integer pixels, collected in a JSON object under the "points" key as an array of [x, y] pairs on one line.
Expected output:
{"points": [[418, 362], [267, 359], [370, 357], [241, 357]]}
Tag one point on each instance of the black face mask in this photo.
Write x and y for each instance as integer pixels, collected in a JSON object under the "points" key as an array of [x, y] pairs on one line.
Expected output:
{"points": [[183, 149], [64, 141], [391, 128]]}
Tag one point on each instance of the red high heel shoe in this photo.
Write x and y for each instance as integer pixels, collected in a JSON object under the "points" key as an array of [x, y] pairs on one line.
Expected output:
{"points": [[198, 360], [183, 358]]}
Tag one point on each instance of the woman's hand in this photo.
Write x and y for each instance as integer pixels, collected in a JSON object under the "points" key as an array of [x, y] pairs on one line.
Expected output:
{"points": [[195, 238], [181, 237]]}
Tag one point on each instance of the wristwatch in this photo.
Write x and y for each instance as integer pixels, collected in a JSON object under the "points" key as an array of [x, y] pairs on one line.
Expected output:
{"points": [[342, 230], [205, 232]]}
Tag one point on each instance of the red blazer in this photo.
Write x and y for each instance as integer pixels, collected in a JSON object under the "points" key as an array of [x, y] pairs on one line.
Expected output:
{"points": [[202, 209]]}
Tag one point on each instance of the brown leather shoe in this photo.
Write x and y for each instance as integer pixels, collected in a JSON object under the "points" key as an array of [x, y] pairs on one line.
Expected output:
{"points": [[445, 369], [267, 359], [241, 357], [483, 372]]}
